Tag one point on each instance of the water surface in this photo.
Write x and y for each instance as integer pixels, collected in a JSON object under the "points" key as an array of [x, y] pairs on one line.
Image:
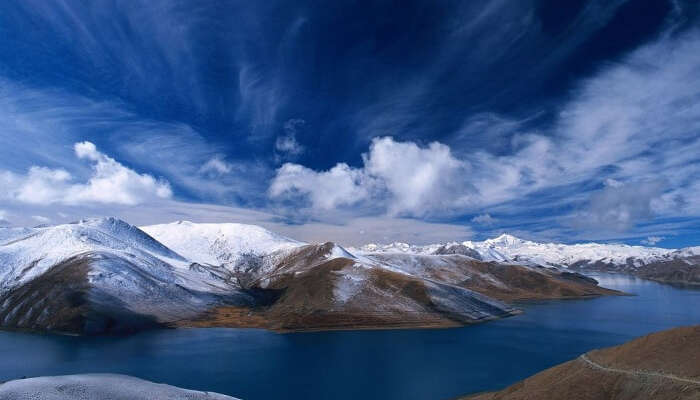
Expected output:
{"points": [[398, 364]]}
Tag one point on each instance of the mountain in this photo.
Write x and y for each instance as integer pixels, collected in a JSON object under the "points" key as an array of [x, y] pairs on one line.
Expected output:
{"points": [[327, 287], [101, 275], [106, 276], [324, 287], [667, 265], [661, 366], [97, 386], [219, 244]]}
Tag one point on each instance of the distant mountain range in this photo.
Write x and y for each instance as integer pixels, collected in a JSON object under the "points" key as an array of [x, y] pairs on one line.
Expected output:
{"points": [[665, 265], [105, 275], [508, 248]]}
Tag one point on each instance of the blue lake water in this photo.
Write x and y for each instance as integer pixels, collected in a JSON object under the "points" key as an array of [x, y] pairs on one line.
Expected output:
{"points": [[397, 364]]}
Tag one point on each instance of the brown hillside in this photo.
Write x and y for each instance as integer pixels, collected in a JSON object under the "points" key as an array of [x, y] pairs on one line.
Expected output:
{"points": [[661, 366]]}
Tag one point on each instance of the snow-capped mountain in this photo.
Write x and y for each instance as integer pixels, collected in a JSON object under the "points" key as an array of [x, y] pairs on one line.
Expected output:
{"points": [[105, 275], [510, 249], [41, 248], [101, 273], [218, 244]]}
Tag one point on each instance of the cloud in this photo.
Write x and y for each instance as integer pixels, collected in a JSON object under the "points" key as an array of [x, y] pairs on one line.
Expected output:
{"points": [[484, 219], [420, 180], [619, 206], [623, 149], [407, 179], [217, 166], [342, 185], [192, 163], [652, 240], [287, 145], [109, 183]]}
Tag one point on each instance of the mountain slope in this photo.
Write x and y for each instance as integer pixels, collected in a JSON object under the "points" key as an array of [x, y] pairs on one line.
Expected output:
{"points": [[326, 287], [101, 275], [664, 365]]}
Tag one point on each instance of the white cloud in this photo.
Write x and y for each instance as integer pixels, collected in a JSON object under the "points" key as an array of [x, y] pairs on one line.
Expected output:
{"points": [[420, 180], [652, 240], [617, 207], [339, 186], [87, 150], [216, 165], [484, 219], [185, 157], [624, 148], [407, 179], [109, 183], [287, 145]]}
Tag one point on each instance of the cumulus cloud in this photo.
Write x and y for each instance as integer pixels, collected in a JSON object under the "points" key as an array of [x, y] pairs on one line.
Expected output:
{"points": [[110, 183], [652, 240], [408, 180], [341, 185], [419, 180]]}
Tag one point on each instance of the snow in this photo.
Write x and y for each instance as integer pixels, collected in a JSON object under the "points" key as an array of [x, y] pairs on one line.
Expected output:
{"points": [[97, 386], [114, 249], [28, 256], [508, 248], [350, 282], [689, 251], [338, 252], [10, 234], [217, 244]]}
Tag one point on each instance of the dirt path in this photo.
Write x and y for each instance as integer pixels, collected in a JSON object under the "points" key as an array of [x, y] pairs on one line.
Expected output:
{"points": [[595, 365]]}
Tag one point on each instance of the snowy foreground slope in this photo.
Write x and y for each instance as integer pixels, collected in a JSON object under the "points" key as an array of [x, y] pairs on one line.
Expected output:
{"points": [[105, 275], [97, 386]]}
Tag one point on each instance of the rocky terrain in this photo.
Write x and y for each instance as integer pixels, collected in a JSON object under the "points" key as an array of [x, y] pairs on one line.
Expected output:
{"points": [[680, 266], [664, 365], [106, 276], [97, 386]]}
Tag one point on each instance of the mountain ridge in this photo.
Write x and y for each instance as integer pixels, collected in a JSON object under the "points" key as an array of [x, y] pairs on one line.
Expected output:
{"points": [[104, 275]]}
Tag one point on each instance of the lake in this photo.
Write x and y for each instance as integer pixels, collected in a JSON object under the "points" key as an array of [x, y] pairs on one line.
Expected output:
{"points": [[391, 364]]}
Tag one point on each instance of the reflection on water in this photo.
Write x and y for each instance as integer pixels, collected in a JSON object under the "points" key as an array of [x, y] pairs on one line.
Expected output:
{"points": [[407, 364]]}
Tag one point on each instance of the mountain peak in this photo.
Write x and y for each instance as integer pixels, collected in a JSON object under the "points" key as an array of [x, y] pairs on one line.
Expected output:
{"points": [[505, 239]]}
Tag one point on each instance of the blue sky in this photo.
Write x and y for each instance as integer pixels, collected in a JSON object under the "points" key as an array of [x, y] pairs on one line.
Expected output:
{"points": [[357, 121]]}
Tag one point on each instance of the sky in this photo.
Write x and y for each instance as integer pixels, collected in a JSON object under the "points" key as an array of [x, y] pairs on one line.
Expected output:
{"points": [[357, 121]]}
